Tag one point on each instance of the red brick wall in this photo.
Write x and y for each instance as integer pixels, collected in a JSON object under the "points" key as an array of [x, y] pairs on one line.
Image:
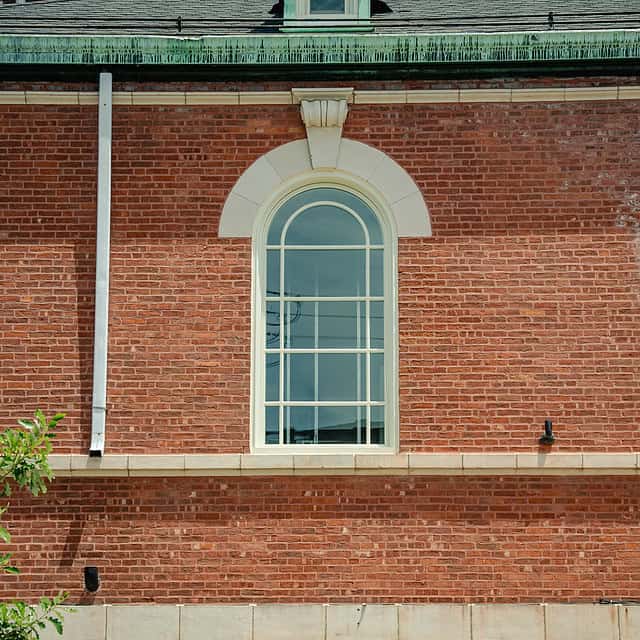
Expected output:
{"points": [[48, 159], [524, 304], [358, 539]]}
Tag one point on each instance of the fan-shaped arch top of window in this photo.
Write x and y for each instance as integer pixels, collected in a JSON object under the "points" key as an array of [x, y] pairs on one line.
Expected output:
{"points": [[273, 171], [337, 219]]}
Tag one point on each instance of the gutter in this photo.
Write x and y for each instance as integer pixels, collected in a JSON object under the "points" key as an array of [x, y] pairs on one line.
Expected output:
{"points": [[103, 233], [323, 49]]}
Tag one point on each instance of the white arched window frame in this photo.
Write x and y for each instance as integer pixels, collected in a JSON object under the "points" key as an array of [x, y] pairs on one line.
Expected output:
{"points": [[261, 301]]}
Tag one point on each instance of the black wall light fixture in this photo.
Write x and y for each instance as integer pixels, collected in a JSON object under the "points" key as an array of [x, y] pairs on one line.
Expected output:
{"points": [[91, 579], [548, 437]]}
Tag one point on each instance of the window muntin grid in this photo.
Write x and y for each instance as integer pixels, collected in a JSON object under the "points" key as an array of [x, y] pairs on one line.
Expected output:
{"points": [[324, 323]]}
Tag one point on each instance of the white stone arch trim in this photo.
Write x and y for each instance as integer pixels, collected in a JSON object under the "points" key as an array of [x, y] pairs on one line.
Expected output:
{"points": [[269, 173]]}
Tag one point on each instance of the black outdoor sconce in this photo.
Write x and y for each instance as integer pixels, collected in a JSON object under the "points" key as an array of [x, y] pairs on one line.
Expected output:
{"points": [[91, 579], [548, 438]]}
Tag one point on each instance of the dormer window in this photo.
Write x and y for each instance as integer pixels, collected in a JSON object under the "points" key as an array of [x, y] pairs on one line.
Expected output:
{"points": [[327, 15]]}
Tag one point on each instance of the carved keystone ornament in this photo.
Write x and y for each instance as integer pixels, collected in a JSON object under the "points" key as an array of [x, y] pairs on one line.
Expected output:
{"points": [[323, 112]]}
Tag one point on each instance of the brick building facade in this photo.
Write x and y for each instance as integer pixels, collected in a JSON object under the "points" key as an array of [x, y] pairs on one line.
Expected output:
{"points": [[518, 301]]}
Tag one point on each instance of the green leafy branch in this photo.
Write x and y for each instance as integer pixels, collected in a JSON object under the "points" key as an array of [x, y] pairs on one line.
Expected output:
{"points": [[20, 621], [24, 462]]}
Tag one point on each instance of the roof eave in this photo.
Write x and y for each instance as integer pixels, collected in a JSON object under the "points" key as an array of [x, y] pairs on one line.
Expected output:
{"points": [[321, 49]]}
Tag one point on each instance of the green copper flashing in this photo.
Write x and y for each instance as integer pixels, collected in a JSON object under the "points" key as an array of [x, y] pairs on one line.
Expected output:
{"points": [[340, 49]]}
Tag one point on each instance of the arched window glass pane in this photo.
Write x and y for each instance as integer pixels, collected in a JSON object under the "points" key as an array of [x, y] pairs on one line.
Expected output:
{"points": [[324, 194], [324, 322], [325, 224]]}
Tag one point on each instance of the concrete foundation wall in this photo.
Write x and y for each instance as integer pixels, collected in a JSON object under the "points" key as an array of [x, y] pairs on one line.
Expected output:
{"points": [[362, 622]]}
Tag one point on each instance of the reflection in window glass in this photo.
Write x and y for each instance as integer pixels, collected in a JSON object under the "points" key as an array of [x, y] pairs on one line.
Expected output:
{"points": [[320, 377], [273, 325], [377, 273], [299, 377], [377, 425], [273, 273], [324, 273], [337, 425], [326, 325], [377, 377], [376, 323], [337, 377], [272, 425], [325, 377], [321, 425], [299, 425], [272, 377]]}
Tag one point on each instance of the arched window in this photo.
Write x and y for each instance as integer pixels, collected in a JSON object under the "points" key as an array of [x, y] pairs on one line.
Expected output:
{"points": [[325, 296]]}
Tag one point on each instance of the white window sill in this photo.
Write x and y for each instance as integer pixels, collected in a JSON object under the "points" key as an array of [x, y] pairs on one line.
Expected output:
{"points": [[419, 464]]}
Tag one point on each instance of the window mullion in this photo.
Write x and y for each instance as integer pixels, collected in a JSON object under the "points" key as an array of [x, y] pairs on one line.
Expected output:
{"points": [[359, 370], [281, 396], [288, 357], [367, 329], [316, 380]]}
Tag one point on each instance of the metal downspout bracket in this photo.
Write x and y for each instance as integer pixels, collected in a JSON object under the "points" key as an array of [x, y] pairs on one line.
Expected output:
{"points": [[103, 233]]}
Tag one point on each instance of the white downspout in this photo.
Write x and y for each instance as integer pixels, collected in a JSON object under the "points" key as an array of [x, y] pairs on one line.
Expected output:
{"points": [[103, 233]]}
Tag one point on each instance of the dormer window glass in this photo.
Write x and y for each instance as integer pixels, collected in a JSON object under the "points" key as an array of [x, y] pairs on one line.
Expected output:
{"points": [[327, 15], [326, 6]]}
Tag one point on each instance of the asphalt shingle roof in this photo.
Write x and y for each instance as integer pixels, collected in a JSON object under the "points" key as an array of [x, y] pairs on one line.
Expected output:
{"points": [[211, 17]]}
